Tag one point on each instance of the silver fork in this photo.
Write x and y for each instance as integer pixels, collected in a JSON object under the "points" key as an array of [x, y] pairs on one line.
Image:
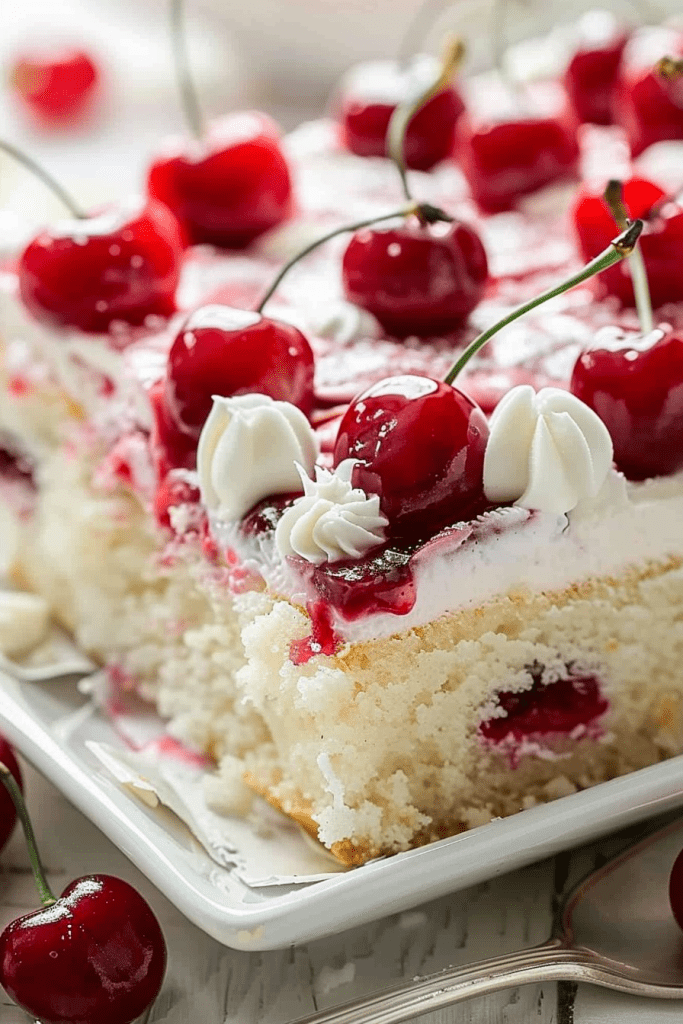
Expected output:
{"points": [[614, 929]]}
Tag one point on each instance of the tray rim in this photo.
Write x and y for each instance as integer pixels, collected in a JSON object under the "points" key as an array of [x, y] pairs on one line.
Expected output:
{"points": [[374, 890]]}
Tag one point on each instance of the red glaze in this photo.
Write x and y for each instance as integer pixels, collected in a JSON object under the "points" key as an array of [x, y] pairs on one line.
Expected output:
{"points": [[661, 242], [416, 280], [96, 955], [120, 265], [364, 117], [421, 446], [224, 351], [506, 159], [676, 890], [591, 80], [637, 391], [58, 86], [8, 815], [230, 187], [649, 107]]}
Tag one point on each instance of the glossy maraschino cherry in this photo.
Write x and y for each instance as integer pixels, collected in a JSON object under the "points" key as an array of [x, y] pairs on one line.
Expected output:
{"points": [[650, 106], [96, 955], [228, 187], [505, 156], [635, 385], [8, 815], [370, 93], [416, 279], [225, 351], [58, 85], [119, 265], [661, 242], [592, 75], [420, 445]]}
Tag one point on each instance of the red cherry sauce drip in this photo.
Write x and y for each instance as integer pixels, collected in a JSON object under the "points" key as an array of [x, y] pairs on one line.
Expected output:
{"points": [[545, 712], [322, 640]]}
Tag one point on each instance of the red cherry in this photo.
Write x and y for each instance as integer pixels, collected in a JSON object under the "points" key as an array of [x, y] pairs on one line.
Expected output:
{"points": [[635, 385], [660, 243], [171, 447], [8, 815], [676, 890], [119, 265], [414, 279], [591, 79], [229, 187], [368, 97], [504, 158], [421, 446], [57, 84], [649, 107], [96, 955], [224, 351]]}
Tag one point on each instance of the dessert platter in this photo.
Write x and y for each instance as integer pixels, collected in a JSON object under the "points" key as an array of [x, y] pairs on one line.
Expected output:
{"points": [[355, 458]]}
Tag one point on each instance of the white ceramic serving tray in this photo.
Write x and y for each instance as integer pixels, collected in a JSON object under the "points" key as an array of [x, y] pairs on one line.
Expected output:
{"points": [[51, 725]]}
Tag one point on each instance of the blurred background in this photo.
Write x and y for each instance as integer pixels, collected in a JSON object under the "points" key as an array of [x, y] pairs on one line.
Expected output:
{"points": [[284, 56]]}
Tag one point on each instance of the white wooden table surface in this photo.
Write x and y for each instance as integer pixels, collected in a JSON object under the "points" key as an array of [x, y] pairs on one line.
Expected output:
{"points": [[209, 984]]}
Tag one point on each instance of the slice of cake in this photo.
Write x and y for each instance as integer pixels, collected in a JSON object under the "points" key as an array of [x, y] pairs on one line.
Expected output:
{"points": [[390, 610]]}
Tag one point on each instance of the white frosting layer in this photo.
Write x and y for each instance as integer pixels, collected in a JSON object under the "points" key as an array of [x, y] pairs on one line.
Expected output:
{"points": [[546, 451], [506, 551], [249, 449], [333, 520]]}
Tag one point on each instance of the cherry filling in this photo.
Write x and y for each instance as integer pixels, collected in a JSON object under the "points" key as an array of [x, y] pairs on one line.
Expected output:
{"points": [[546, 710]]}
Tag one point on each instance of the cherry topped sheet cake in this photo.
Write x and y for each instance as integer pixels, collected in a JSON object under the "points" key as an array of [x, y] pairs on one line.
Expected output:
{"points": [[393, 569]]}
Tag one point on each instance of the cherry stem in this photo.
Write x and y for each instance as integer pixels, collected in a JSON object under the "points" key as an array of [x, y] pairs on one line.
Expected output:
{"points": [[614, 197], [669, 68], [188, 93], [427, 214], [46, 178], [616, 250], [47, 897], [454, 53]]}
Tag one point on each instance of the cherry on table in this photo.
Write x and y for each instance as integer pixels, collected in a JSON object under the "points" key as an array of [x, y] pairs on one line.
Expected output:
{"points": [[369, 95], [57, 84], [592, 75], [660, 243], [415, 279], [676, 889], [97, 954], [122, 264], [524, 144], [8, 815], [420, 445], [635, 385], [230, 186]]}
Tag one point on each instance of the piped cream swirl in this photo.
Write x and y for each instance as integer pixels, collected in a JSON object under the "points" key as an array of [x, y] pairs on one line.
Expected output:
{"points": [[333, 520], [546, 451], [249, 448]]}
